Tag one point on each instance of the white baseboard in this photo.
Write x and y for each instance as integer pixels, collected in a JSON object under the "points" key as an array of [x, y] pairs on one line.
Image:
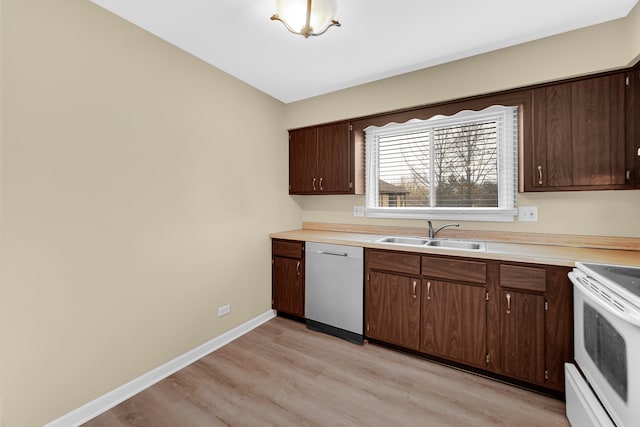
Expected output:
{"points": [[107, 401]]}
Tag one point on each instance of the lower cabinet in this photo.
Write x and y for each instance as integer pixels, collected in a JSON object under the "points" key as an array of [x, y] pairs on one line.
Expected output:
{"points": [[522, 335], [454, 309], [453, 321], [535, 323], [287, 258], [392, 297], [510, 319], [393, 309]]}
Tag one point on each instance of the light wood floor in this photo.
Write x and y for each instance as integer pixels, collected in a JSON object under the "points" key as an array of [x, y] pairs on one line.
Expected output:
{"points": [[282, 374]]}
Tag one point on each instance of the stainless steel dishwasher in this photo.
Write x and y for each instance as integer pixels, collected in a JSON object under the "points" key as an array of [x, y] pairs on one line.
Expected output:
{"points": [[334, 290]]}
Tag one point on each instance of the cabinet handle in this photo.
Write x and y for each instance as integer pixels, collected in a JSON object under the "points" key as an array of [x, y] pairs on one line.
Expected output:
{"points": [[508, 303], [321, 189], [314, 184], [428, 290], [298, 268], [540, 175], [415, 283]]}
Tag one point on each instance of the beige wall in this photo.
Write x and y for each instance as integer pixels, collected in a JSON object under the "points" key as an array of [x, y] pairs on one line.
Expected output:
{"points": [[136, 200], [633, 34], [134, 197], [603, 47]]}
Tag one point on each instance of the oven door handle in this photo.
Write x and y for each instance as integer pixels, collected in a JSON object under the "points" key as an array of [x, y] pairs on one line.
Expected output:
{"points": [[629, 315]]}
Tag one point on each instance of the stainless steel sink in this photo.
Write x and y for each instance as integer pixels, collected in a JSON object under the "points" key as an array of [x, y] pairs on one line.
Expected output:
{"points": [[456, 244], [399, 240], [469, 245]]}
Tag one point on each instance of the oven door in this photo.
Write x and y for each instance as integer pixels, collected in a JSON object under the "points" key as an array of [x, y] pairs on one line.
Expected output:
{"points": [[607, 350]]}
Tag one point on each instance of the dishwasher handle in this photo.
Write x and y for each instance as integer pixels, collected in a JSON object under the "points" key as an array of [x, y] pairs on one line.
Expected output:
{"points": [[332, 253]]}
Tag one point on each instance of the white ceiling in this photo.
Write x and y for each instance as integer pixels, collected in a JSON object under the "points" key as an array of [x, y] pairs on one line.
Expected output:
{"points": [[377, 39]]}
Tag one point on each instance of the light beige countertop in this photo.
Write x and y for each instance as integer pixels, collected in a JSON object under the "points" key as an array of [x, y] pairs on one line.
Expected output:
{"points": [[537, 253]]}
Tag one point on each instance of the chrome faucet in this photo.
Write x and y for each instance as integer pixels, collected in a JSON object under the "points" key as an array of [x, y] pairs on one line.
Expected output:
{"points": [[432, 232]]}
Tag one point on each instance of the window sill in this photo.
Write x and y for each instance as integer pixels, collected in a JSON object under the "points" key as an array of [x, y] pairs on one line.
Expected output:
{"points": [[476, 214]]}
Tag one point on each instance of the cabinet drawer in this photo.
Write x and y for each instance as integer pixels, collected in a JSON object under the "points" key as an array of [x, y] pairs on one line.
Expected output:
{"points": [[394, 261], [453, 269], [525, 278], [287, 248]]}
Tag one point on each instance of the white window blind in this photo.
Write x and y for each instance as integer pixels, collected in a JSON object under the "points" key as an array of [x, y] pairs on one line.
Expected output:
{"points": [[458, 167]]}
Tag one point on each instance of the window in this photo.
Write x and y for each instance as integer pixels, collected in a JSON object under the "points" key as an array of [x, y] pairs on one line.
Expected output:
{"points": [[458, 167]]}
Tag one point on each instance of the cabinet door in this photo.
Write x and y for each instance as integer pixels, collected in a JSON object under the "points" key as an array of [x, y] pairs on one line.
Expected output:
{"points": [[578, 135], [288, 285], [334, 158], [552, 136], [597, 118], [559, 326], [522, 335], [632, 119], [303, 154], [454, 321], [392, 309]]}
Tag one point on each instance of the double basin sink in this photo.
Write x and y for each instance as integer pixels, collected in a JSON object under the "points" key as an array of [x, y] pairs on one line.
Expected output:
{"points": [[469, 245]]}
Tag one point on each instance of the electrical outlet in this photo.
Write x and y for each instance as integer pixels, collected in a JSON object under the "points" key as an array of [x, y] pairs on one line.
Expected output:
{"points": [[223, 310], [528, 213], [358, 211]]}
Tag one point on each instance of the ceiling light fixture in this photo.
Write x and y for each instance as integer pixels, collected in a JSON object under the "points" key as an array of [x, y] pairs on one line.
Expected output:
{"points": [[306, 17]]}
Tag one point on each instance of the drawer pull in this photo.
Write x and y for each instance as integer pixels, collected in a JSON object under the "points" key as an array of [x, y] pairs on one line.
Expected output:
{"points": [[508, 303], [428, 290], [321, 189], [415, 283], [314, 184], [298, 268]]}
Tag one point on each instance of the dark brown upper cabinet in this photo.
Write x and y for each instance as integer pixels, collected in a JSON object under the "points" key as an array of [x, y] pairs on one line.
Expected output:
{"points": [[578, 136], [632, 106], [321, 160], [575, 134]]}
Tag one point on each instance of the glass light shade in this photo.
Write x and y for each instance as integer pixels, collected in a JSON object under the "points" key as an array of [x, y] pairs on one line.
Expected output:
{"points": [[293, 14]]}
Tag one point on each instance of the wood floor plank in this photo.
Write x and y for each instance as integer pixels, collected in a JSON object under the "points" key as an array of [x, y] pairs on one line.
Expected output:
{"points": [[282, 374]]}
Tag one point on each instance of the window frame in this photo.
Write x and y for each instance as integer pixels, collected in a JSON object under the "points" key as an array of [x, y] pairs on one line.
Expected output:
{"points": [[518, 97]]}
